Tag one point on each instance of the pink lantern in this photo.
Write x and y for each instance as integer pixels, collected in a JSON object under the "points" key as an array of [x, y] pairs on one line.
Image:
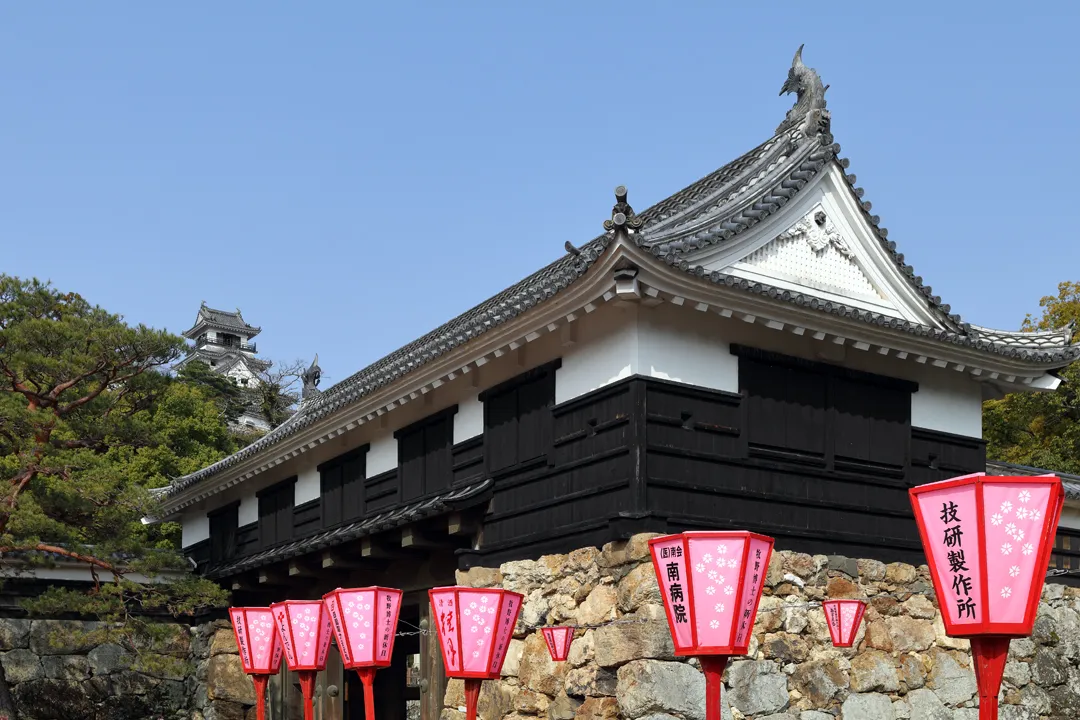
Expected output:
{"points": [[304, 628], [365, 624], [558, 641], [474, 627], [260, 649], [711, 583], [843, 618], [988, 542]]}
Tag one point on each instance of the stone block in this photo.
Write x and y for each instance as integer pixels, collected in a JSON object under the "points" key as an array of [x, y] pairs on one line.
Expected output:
{"points": [[21, 666], [757, 688], [14, 634], [870, 706], [225, 680], [650, 686]]}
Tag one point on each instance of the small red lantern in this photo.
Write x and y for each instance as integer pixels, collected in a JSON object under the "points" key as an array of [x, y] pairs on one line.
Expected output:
{"points": [[711, 583], [365, 624], [558, 641], [474, 627], [988, 542], [260, 649], [304, 628], [843, 618]]}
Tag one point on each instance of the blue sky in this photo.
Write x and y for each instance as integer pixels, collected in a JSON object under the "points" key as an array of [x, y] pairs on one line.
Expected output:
{"points": [[354, 174]]}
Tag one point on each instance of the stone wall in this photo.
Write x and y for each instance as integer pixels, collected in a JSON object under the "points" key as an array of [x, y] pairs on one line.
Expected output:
{"points": [[54, 674], [903, 666]]}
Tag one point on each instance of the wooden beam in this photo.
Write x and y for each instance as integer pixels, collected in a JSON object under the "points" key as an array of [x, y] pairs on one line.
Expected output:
{"points": [[301, 568], [457, 524], [273, 576], [376, 549], [338, 560], [413, 537]]}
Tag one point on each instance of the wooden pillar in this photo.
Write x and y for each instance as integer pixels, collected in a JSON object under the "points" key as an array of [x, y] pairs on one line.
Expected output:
{"points": [[432, 672]]}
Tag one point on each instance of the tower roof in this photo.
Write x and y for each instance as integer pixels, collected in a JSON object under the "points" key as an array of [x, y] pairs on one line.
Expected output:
{"points": [[211, 319]]}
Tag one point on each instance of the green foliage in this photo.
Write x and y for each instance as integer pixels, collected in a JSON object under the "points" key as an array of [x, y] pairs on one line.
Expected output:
{"points": [[1041, 429], [88, 426], [225, 393]]}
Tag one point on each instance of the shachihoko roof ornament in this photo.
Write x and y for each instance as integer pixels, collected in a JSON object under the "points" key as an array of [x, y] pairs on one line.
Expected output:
{"points": [[809, 110]]}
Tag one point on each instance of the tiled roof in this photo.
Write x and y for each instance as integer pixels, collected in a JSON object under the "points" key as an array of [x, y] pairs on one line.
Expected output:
{"points": [[1070, 483], [224, 320], [456, 499], [712, 210]]}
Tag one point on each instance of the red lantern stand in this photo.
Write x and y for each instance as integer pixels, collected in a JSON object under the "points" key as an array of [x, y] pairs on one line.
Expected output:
{"points": [[988, 541], [365, 624], [711, 583], [474, 628], [304, 628], [843, 618], [260, 649], [558, 639]]}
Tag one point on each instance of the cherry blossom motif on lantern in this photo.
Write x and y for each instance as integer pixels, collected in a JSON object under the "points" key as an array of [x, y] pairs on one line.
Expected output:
{"points": [[711, 583], [258, 641], [474, 628], [988, 541], [304, 628], [843, 618], [558, 641], [365, 623]]}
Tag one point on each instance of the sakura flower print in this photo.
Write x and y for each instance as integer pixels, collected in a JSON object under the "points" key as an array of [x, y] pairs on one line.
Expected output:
{"points": [[304, 629], [843, 618], [260, 648], [988, 541], [364, 621], [711, 583], [474, 627]]}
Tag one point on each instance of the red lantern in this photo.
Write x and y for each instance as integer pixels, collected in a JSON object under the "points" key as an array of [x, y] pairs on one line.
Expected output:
{"points": [[711, 583], [304, 628], [843, 618], [260, 649], [558, 641], [988, 542], [365, 623], [474, 627]]}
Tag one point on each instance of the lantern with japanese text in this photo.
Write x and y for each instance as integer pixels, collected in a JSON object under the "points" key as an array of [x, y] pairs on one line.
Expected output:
{"points": [[711, 583], [304, 628], [474, 627], [365, 623], [260, 648], [843, 618], [558, 641], [988, 541]]}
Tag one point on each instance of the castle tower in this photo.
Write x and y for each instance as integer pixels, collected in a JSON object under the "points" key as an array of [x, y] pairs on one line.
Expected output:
{"points": [[223, 340]]}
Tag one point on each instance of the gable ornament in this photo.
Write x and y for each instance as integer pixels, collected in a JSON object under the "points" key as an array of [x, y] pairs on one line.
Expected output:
{"points": [[818, 232]]}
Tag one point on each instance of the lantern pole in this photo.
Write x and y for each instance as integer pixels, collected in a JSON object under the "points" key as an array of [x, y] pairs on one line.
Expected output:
{"points": [[989, 653], [367, 678], [307, 689], [713, 666], [261, 682], [472, 697]]}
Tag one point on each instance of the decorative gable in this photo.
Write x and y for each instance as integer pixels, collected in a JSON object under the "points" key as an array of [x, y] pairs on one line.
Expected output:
{"points": [[813, 253], [820, 245]]}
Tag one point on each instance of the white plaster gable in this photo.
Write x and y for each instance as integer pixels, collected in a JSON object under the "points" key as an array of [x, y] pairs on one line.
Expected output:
{"points": [[820, 244]]}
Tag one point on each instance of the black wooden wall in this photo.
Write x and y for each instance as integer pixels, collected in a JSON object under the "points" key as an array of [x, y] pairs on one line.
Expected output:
{"points": [[819, 457]]}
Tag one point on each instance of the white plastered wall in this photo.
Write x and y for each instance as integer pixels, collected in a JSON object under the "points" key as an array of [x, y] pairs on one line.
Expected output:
{"points": [[382, 455], [308, 486], [195, 527], [664, 342], [469, 419], [948, 401]]}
